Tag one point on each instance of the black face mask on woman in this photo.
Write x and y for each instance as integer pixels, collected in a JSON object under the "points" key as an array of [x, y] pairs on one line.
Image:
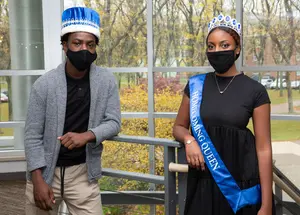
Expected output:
{"points": [[221, 61], [82, 59]]}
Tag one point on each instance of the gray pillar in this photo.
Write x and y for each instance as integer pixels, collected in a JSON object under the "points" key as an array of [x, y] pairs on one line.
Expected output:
{"points": [[27, 53]]}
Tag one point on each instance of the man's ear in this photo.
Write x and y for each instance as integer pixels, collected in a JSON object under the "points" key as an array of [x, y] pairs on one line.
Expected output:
{"points": [[65, 46]]}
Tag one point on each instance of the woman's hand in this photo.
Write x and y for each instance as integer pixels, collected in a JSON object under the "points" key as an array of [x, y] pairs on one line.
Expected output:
{"points": [[265, 211], [181, 133], [194, 156]]}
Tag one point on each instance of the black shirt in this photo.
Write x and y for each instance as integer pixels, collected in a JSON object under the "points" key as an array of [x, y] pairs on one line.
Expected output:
{"points": [[76, 119], [225, 118], [236, 105]]}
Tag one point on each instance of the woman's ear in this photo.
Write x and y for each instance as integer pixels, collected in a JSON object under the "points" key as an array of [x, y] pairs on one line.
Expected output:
{"points": [[238, 50]]}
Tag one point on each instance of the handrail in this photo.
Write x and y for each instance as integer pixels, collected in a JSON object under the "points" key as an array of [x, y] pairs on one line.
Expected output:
{"points": [[280, 183], [15, 155], [12, 155], [147, 140], [286, 180], [184, 168], [12, 158], [285, 205], [168, 180], [133, 176]]}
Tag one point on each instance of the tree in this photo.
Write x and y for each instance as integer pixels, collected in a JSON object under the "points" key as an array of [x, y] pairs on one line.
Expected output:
{"points": [[4, 36], [277, 19], [123, 35], [5, 59], [180, 31]]}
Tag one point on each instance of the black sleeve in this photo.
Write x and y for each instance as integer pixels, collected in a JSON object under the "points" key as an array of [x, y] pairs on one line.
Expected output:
{"points": [[187, 90], [261, 97]]}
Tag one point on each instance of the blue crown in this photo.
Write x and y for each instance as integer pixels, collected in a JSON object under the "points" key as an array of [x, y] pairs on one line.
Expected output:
{"points": [[78, 19], [225, 21]]}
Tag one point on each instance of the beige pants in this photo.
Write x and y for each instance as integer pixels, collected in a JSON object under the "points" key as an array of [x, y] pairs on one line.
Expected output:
{"points": [[80, 196]]}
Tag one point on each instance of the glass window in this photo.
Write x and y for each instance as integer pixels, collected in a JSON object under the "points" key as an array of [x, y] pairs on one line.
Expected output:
{"points": [[133, 91], [15, 92], [133, 158], [21, 38], [168, 90], [126, 151], [180, 30], [4, 37], [6, 138], [271, 29], [283, 89], [123, 41]]}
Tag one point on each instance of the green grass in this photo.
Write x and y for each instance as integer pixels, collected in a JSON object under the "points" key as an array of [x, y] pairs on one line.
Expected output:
{"points": [[283, 130], [276, 99]]}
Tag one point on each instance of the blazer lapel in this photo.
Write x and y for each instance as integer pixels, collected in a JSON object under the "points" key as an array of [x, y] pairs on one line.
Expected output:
{"points": [[61, 98], [94, 86]]}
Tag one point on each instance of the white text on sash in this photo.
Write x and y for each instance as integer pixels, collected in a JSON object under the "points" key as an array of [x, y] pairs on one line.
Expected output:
{"points": [[204, 145]]}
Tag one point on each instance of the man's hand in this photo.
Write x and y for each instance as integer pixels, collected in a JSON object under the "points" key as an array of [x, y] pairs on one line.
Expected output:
{"points": [[43, 196], [42, 192], [73, 140]]}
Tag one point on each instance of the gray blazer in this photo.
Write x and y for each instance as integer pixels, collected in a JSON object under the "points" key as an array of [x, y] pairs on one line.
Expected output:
{"points": [[46, 116]]}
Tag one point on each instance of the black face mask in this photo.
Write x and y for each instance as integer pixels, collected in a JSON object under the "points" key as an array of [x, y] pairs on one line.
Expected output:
{"points": [[221, 61], [81, 60]]}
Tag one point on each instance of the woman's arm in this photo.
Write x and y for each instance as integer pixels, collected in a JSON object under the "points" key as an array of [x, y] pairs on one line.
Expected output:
{"points": [[182, 122], [261, 123], [182, 134]]}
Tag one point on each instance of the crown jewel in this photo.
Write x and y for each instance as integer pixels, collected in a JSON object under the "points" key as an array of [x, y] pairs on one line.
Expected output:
{"points": [[225, 21]]}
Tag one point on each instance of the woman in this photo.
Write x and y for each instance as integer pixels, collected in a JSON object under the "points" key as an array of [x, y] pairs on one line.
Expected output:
{"points": [[229, 100]]}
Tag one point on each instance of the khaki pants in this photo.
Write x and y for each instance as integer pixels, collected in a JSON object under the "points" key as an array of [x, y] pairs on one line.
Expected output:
{"points": [[80, 196]]}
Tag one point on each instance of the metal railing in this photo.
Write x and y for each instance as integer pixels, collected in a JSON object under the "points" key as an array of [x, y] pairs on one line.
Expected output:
{"points": [[168, 197], [174, 161], [283, 184]]}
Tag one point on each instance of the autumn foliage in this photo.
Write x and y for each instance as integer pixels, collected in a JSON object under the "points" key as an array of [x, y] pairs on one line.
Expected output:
{"points": [[134, 157]]}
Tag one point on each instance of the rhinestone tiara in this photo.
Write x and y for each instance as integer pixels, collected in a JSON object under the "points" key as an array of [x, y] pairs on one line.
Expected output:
{"points": [[225, 21]]}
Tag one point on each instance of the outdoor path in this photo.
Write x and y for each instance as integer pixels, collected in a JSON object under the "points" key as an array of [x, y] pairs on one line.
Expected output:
{"points": [[287, 159], [283, 108]]}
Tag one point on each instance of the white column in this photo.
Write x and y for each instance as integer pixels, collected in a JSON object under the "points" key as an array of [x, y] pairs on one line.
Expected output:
{"points": [[27, 53]]}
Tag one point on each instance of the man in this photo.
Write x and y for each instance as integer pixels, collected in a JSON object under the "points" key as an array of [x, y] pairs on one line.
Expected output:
{"points": [[72, 110]]}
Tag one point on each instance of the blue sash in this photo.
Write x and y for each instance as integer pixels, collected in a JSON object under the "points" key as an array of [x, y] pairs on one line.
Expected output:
{"points": [[236, 197]]}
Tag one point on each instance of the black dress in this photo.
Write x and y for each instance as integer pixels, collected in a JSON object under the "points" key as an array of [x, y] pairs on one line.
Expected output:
{"points": [[225, 117]]}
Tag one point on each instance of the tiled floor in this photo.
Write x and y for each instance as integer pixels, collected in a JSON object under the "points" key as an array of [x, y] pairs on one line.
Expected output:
{"points": [[12, 197]]}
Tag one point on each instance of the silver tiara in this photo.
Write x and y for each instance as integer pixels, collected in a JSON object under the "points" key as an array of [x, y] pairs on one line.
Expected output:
{"points": [[225, 21]]}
